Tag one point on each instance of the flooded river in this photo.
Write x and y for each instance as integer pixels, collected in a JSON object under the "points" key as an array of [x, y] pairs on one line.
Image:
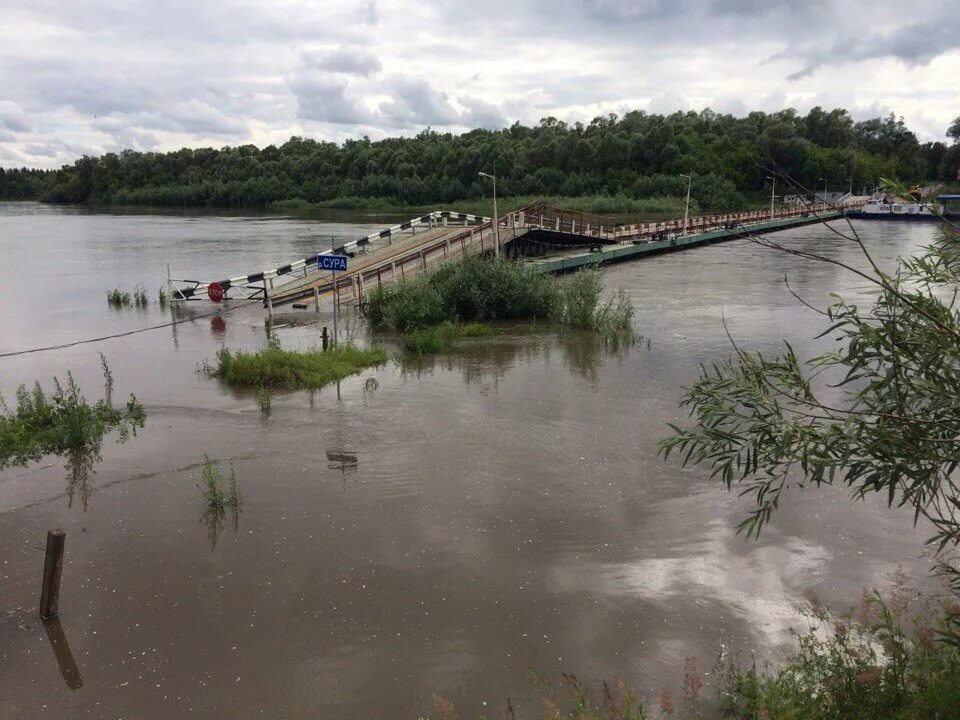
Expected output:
{"points": [[507, 509]]}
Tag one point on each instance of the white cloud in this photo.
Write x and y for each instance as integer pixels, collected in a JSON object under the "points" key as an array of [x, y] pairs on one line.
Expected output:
{"points": [[116, 73]]}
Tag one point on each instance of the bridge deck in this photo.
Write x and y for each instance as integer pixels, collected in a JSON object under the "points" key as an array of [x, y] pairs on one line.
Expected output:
{"points": [[412, 247]]}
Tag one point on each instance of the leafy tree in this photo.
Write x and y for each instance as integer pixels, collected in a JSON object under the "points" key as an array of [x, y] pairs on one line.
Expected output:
{"points": [[638, 154], [953, 132], [889, 423]]}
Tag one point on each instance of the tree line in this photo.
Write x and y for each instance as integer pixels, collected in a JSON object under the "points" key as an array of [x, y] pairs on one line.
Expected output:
{"points": [[638, 155]]}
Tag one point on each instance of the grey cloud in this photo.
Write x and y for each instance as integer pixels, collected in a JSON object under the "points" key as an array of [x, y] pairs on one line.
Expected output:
{"points": [[6, 136], [13, 118], [346, 60], [916, 43], [480, 113], [328, 99], [200, 118], [42, 150], [416, 102]]}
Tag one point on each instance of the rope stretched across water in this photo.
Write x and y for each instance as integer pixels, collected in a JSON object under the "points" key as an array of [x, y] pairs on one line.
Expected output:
{"points": [[61, 346]]}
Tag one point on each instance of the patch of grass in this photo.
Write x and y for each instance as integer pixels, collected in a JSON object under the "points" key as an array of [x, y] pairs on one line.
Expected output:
{"points": [[475, 288], [162, 298], [107, 375], [263, 397], [441, 338], [118, 298], [274, 367], [481, 288], [62, 422], [140, 295], [215, 496]]}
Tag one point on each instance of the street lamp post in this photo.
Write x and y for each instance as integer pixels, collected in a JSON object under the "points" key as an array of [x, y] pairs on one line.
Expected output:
{"points": [[773, 191], [823, 198], [686, 209], [496, 220]]}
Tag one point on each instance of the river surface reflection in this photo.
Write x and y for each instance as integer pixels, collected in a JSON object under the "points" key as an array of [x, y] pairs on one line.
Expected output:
{"points": [[433, 525]]}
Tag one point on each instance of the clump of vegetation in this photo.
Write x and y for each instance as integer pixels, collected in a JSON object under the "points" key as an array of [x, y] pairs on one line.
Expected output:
{"points": [[118, 298], [263, 397], [274, 367], [876, 662], [475, 288], [441, 338], [62, 422], [107, 376], [480, 288], [140, 295], [580, 305], [162, 298], [216, 497]]}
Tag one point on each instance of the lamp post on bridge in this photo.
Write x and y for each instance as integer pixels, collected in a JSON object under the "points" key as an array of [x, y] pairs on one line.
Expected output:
{"points": [[823, 198], [686, 209], [496, 221], [773, 191]]}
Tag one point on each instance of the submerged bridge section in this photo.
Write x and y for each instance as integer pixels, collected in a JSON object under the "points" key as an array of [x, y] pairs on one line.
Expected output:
{"points": [[552, 238]]}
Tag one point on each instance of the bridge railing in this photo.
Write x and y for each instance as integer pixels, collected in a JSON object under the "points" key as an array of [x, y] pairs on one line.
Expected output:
{"points": [[547, 217], [353, 285], [705, 223]]}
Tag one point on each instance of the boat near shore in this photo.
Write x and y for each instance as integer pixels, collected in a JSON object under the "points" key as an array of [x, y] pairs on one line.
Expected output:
{"points": [[886, 208]]}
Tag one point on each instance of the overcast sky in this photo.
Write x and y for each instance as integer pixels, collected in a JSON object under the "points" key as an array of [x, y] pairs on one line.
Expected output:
{"points": [[104, 75]]}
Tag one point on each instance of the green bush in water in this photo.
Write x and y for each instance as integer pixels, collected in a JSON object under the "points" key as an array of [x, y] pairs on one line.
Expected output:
{"points": [[479, 288], [441, 338], [274, 367]]}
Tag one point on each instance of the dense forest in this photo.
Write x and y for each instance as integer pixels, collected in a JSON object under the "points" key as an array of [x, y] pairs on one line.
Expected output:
{"points": [[639, 155]]}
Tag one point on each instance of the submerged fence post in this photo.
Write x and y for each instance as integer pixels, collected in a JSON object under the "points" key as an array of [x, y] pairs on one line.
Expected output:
{"points": [[266, 294], [52, 568], [324, 338]]}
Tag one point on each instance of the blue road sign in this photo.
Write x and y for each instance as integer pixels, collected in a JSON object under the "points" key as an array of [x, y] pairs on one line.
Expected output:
{"points": [[332, 262]]}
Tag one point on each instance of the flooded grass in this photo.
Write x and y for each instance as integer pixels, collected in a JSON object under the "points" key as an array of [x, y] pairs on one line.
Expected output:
{"points": [[62, 422], [140, 295], [441, 338], [215, 495], [263, 397], [118, 298], [274, 367], [479, 288]]}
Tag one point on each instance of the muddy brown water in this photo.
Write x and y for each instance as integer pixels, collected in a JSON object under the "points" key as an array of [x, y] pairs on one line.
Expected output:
{"points": [[507, 509]]}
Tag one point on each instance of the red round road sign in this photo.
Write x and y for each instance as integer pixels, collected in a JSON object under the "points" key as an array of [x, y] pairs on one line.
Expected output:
{"points": [[215, 291]]}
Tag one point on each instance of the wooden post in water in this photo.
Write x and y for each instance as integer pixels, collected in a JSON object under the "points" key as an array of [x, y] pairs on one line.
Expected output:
{"points": [[324, 339], [266, 294], [316, 298], [52, 568]]}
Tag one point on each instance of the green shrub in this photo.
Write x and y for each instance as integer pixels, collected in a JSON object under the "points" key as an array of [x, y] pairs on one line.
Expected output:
{"points": [[62, 422], [215, 496], [866, 665], [118, 298], [475, 288], [273, 367], [441, 338], [486, 289]]}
